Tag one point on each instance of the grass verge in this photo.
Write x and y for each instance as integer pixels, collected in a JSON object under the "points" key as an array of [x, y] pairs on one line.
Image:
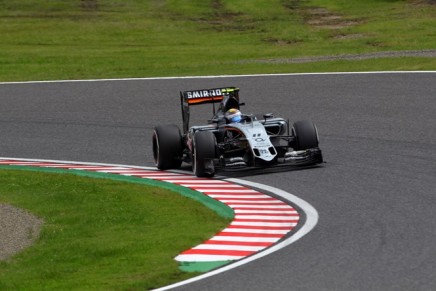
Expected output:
{"points": [[83, 39], [101, 234]]}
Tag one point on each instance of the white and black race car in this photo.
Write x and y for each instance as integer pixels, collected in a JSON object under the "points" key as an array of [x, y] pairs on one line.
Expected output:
{"points": [[252, 142]]}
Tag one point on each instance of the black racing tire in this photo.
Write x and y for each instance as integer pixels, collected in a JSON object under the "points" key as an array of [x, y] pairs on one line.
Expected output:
{"points": [[203, 152], [167, 147], [306, 135]]}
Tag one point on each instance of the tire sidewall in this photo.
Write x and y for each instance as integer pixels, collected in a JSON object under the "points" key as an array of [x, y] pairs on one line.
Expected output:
{"points": [[306, 135], [204, 149], [167, 147]]}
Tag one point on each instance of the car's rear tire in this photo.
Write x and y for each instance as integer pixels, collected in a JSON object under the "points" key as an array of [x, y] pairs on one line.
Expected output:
{"points": [[167, 147], [204, 152], [306, 135]]}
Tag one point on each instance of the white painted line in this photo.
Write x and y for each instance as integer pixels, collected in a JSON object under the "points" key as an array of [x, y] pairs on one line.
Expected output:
{"points": [[245, 238], [261, 206], [216, 77], [257, 231], [264, 224], [162, 177], [24, 163], [208, 186], [252, 202], [183, 181], [221, 191], [270, 211], [97, 169], [263, 217], [223, 196], [203, 258], [129, 171], [228, 247]]}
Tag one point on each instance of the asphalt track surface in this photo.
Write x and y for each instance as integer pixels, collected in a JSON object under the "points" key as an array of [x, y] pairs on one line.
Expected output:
{"points": [[375, 196]]}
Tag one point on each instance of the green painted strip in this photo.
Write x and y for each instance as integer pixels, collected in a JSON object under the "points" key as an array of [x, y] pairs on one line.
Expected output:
{"points": [[220, 208], [201, 266]]}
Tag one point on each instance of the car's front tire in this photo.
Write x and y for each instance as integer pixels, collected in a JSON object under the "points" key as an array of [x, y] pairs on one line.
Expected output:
{"points": [[204, 152], [167, 147], [306, 135]]}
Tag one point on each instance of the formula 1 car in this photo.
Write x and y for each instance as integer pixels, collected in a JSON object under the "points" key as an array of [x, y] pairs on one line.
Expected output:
{"points": [[253, 142]]}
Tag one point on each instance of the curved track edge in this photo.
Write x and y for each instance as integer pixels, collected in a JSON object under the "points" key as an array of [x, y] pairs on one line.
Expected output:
{"points": [[93, 169]]}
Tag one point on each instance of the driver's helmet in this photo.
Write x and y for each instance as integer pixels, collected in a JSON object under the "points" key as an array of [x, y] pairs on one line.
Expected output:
{"points": [[233, 115]]}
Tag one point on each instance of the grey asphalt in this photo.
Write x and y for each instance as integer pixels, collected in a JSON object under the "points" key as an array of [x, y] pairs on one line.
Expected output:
{"points": [[376, 195]]}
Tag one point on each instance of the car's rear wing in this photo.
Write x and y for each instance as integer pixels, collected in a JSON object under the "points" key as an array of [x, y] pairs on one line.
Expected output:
{"points": [[215, 95]]}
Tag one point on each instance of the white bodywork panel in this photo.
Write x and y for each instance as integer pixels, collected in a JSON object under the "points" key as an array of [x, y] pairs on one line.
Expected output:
{"points": [[258, 139]]}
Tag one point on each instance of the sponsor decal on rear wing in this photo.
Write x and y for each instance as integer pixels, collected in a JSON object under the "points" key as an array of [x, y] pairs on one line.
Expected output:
{"points": [[196, 97], [207, 95]]}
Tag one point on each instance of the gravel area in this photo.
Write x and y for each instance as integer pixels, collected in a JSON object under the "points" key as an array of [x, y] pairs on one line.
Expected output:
{"points": [[18, 230]]}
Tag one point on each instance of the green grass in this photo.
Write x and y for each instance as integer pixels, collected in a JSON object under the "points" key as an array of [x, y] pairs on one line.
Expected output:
{"points": [[75, 39], [101, 234]]}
